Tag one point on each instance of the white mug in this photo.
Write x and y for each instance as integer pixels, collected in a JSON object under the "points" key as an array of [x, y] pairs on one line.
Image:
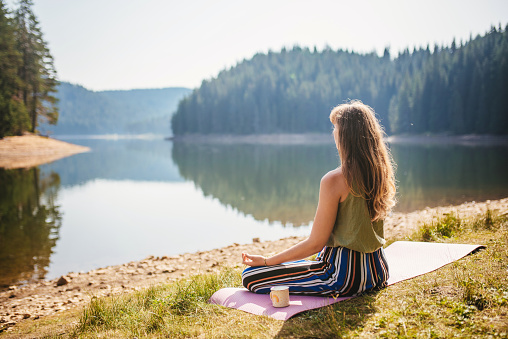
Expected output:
{"points": [[279, 296]]}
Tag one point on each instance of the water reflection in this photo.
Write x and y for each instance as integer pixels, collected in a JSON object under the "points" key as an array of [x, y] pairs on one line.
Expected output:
{"points": [[436, 175], [274, 182], [281, 182], [124, 159], [29, 224]]}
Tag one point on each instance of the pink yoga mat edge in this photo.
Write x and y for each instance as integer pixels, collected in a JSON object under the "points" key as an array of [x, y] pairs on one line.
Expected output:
{"points": [[406, 260]]}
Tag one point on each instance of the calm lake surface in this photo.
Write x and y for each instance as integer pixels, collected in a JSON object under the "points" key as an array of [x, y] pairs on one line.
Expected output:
{"points": [[131, 198]]}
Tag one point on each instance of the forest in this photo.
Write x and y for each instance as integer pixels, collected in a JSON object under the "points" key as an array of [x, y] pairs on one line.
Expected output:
{"points": [[456, 89], [27, 75]]}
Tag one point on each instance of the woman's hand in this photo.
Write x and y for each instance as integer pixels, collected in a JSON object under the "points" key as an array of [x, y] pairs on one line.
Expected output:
{"points": [[253, 260]]}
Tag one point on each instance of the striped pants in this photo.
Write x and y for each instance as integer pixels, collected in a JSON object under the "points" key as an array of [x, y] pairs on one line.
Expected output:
{"points": [[337, 271]]}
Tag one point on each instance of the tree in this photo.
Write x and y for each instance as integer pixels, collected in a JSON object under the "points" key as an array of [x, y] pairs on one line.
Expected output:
{"points": [[13, 114], [37, 73]]}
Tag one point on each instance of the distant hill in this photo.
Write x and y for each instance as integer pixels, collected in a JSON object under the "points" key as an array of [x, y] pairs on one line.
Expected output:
{"points": [[134, 111]]}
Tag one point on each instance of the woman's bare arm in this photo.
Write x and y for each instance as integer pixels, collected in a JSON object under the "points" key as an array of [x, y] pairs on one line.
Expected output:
{"points": [[333, 189]]}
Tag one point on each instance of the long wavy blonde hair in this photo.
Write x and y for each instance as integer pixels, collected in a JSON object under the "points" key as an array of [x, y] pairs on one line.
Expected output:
{"points": [[366, 162]]}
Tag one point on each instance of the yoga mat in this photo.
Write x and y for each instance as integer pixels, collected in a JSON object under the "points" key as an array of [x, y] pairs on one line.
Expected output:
{"points": [[406, 260]]}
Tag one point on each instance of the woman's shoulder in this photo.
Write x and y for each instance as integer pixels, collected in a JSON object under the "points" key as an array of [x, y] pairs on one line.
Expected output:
{"points": [[334, 176], [335, 182]]}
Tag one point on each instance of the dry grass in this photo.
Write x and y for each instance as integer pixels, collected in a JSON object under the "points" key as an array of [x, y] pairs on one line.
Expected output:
{"points": [[59, 325]]}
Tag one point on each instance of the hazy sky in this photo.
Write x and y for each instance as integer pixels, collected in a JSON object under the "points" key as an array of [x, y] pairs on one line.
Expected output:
{"points": [[124, 44]]}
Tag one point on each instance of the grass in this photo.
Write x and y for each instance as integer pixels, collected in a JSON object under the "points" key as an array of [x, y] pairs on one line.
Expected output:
{"points": [[468, 298], [158, 309]]}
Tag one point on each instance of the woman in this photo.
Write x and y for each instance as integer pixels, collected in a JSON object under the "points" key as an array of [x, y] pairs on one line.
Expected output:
{"points": [[354, 199]]}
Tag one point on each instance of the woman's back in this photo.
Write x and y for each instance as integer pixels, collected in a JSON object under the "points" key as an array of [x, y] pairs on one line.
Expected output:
{"points": [[348, 226]]}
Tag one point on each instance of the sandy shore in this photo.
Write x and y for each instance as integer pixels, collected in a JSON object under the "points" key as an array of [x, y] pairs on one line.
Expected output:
{"points": [[32, 150], [75, 289]]}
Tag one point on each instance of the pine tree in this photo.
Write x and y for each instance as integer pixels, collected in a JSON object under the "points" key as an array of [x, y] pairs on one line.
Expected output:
{"points": [[13, 115], [37, 72]]}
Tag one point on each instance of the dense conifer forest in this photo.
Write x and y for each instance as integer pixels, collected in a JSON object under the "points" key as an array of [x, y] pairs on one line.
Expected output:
{"points": [[456, 89], [27, 75]]}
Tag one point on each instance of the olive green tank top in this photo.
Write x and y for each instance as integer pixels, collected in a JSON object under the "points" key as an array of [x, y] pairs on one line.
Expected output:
{"points": [[353, 228]]}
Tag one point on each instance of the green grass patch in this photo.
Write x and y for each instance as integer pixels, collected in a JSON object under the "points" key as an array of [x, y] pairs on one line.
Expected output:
{"points": [[179, 309], [468, 298], [444, 228]]}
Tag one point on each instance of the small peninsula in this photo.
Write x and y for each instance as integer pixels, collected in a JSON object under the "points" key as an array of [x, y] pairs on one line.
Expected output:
{"points": [[31, 150]]}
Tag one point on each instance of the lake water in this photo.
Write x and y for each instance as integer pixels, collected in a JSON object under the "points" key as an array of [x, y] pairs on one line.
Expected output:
{"points": [[131, 198]]}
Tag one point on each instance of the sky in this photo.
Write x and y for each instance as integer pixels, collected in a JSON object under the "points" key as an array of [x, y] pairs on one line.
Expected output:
{"points": [[126, 44]]}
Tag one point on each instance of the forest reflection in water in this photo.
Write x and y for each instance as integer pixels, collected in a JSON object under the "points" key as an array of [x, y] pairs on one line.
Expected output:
{"points": [[281, 182], [274, 182], [29, 224]]}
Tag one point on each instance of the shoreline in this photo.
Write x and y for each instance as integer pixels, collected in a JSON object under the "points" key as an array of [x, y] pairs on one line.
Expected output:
{"points": [[465, 140], [17, 150], [276, 138], [31, 150], [321, 138], [47, 297]]}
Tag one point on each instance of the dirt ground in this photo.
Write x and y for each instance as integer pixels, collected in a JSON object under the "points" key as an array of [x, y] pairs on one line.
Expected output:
{"points": [[75, 289], [32, 150]]}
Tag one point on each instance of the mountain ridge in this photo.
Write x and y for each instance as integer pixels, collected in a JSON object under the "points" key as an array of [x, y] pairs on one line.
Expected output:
{"points": [[136, 111]]}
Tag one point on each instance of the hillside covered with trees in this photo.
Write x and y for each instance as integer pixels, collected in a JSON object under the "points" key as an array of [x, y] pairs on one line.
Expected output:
{"points": [[123, 112], [27, 75], [456, 89]]}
